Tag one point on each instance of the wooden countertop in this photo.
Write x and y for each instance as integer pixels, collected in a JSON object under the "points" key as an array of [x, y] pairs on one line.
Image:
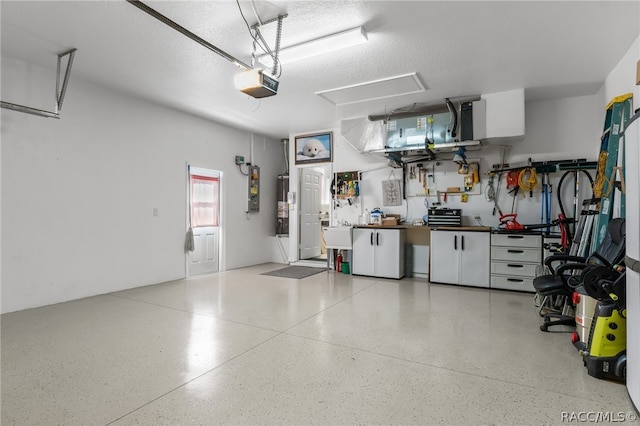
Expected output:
{"points": [[465, 228], [404, 226], [427, 228]]}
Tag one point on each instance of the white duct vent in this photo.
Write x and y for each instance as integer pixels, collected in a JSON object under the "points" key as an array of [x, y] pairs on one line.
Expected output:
{"points": [[364, 135]]}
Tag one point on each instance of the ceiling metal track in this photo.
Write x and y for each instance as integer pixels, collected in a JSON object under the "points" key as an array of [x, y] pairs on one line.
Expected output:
{"points": [[160, 17], [59, 93]]}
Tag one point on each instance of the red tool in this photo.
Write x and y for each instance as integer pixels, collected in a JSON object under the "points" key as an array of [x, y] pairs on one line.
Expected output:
{"points": [[509, 222], [512, 179], [564, 235]]}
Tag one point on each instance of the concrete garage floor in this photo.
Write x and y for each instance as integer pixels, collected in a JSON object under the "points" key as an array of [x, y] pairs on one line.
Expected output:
{"points": [[241, 348]]}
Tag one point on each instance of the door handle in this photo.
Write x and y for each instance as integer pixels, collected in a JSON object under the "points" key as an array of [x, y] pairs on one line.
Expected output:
{"points": [[515, 237], [377, 239], [462, 242], [511, 265], [514, 280], [455, 242], [371, 238], [515, 251]]}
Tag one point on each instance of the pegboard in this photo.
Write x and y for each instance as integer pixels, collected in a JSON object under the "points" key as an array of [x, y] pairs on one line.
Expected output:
{"points": [[441, 176]]}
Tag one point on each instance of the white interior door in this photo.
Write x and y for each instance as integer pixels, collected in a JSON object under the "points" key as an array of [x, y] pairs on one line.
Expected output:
{"points": [[310, 211], [204, 211], [204, 258]]}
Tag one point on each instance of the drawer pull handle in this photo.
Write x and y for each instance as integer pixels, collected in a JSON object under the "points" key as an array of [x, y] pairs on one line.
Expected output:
{"points": [[515, 251], [518, 237], [515, 280], [512, 265]]}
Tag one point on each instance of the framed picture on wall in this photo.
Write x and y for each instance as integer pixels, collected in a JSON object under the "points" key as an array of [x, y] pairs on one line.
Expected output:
{"points": [[316, 148]]}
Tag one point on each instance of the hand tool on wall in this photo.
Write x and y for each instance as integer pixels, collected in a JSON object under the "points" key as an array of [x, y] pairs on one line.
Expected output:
{"points": [[545, 205], [512, 179], [502, 164]]}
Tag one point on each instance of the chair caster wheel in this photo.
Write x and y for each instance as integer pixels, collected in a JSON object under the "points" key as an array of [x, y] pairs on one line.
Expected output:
{"points": [[543, 327]]}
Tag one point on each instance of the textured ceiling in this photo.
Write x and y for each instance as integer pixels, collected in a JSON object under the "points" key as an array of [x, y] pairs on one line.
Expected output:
{"points": [[551, 49]]}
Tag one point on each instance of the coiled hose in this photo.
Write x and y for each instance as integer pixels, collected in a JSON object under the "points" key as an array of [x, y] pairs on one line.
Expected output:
{"points": [[528, 179], [559, 191]]}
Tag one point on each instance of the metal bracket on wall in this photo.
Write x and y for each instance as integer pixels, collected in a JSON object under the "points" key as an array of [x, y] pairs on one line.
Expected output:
{"points": [[60, 92]]}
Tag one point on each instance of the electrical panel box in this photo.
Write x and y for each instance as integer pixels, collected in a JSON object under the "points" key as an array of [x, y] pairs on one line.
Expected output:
{"points": [[239, 160], [254, 189]]}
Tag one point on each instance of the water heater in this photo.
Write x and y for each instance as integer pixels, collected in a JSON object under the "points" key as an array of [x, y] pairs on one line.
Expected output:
{"points": [[282, 223]]}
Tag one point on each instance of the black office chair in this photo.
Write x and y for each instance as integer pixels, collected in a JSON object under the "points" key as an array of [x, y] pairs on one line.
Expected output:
{"points": [[566, 277]]}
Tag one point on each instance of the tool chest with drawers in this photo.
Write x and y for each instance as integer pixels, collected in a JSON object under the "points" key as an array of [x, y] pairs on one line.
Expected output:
{"points": [[514, 260]]}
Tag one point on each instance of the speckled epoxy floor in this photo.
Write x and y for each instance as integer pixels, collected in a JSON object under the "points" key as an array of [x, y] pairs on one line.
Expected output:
{"points": [[242, 348]]}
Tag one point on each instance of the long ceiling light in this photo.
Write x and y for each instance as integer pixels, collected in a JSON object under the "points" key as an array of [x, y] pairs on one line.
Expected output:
{"points": [[318, 46]]}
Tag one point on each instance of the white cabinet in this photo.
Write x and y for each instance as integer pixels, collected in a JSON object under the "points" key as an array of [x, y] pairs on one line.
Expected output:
{"points": [[378, 252], [632, 152], [504, 115], [514, 260], [460, 257]]}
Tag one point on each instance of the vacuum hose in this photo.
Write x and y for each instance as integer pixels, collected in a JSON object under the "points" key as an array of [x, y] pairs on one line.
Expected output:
{"points": [[452, 111], [559, 191]]}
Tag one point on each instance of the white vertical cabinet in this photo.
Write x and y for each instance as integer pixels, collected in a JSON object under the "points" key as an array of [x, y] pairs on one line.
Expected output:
{"points": [[632, 152], [363, 252], [444, 257], [460, 257], [378, 252]]}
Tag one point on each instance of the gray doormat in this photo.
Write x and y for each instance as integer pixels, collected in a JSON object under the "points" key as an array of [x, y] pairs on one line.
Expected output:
{"points": [[295, 272]]}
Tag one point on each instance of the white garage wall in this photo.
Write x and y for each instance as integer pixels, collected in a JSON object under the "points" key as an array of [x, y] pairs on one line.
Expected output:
{"points": [[622, 78], [78, 193]]}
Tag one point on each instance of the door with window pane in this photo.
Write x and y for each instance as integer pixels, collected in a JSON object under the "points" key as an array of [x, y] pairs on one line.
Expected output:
{"points": [[204, 211]]}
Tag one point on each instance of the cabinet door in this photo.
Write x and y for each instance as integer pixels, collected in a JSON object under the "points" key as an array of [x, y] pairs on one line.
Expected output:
{"points": [[475, 258], [363, 251], [444, 257], [389, 254]]}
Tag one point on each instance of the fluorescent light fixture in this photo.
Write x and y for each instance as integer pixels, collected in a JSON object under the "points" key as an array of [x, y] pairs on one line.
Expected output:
{"points": [[256, 83], [318, 46]]}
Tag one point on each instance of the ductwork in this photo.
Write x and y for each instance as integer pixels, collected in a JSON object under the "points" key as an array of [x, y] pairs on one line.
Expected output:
{"points": [[416, 134]]}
